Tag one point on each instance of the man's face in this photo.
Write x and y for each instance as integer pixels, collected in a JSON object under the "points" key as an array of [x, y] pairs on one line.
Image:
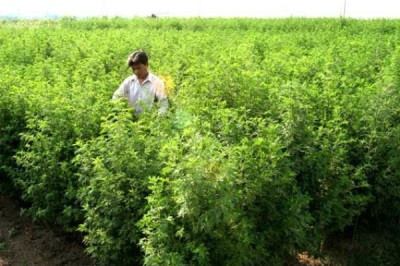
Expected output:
{"points": [[140, 70]]}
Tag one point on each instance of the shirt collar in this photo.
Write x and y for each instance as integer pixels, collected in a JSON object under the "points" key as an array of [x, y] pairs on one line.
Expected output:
{"points": [[149, 78]]}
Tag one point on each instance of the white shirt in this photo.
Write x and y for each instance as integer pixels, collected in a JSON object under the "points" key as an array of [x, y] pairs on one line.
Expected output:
{"points": [[143, 95]]}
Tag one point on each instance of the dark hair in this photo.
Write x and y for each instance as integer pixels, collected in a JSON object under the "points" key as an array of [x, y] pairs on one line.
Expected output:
{"points": [[138, 57]]}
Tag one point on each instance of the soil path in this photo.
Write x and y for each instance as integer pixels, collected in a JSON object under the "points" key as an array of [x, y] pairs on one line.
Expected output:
{"points": [[23, 243]]}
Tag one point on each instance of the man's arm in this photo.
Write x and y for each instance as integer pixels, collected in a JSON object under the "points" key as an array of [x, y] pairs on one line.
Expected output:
{"points": [[122, 91], [163, 105], [161, 97]]}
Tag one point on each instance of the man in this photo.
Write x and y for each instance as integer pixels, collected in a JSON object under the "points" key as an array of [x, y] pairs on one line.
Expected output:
{"points": [[142, 89]]}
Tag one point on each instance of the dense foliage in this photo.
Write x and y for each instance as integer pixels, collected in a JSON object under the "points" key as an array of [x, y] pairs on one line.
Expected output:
{"points": [[280, 132]]}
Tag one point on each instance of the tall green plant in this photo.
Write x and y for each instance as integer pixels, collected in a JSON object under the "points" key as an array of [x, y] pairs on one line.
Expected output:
{"points": [[219, 202], [115, 168]]}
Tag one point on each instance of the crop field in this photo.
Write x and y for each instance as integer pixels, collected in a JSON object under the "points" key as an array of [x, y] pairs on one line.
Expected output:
{"points": [[280, 132]]}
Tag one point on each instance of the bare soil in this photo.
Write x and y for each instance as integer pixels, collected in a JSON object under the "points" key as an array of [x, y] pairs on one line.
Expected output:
{"points": [[24, 243]]}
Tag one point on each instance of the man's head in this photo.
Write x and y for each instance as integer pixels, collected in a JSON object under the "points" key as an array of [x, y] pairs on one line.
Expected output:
{"points": [[138, 57], [139, 62]]}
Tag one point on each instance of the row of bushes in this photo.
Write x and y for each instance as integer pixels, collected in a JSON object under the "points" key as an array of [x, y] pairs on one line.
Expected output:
{"points": [[271, 142]]}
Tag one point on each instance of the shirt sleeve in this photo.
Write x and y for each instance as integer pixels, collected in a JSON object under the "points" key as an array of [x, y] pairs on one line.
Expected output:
{"points": [[161, 96], [122, 91]]}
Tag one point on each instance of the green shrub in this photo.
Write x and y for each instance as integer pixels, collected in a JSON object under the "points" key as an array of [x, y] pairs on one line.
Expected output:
{"points": [[219, 204], [115, 168]]}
